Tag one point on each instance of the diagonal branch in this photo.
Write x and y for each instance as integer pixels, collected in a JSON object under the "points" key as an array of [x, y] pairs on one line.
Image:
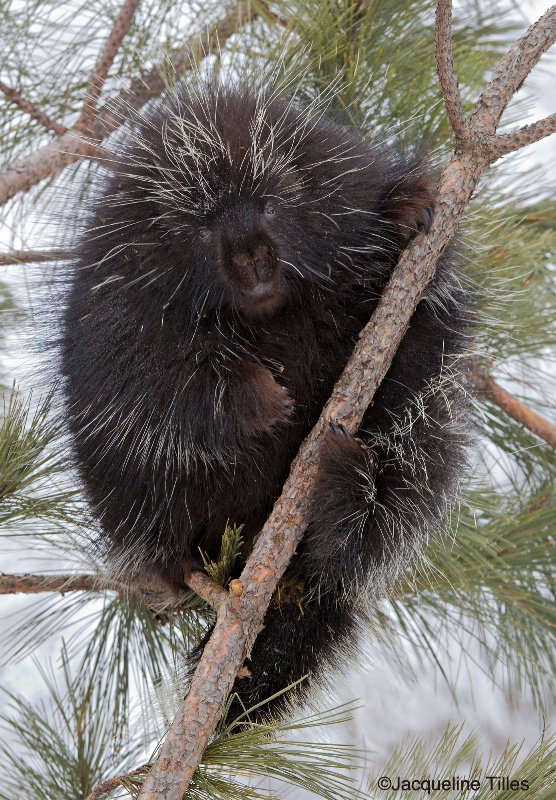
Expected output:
{"points": [[241, 618], [513, 407], [34, 112], [511, 71], [109, 53]]}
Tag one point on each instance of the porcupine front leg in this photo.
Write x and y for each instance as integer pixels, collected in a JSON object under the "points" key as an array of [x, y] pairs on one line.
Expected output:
{"points": [[257, 400], [379, 494]]}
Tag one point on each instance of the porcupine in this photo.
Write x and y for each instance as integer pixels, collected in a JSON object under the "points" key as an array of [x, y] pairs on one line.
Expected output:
{"points": [[227, 262]]}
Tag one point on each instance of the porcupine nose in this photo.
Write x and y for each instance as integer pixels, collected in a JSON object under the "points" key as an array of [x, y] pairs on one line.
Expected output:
{"points": [[253, 266]]}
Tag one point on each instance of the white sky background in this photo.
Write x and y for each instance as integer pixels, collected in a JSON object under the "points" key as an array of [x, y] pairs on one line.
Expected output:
{"points": [[391, 709]]}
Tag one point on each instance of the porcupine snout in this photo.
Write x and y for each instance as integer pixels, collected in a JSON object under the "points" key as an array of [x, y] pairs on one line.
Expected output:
{"points": [[254, 266], [250, 264]]}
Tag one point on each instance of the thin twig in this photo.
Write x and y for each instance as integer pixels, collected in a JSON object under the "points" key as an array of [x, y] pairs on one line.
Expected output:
{"points": [[446, 71], [508, 142], [113, 783], [241, 617], [33, 256], [35, 584], [34, 112], [513, 407], [102, 67]]}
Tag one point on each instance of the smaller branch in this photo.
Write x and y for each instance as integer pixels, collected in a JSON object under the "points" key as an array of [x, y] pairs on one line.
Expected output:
{"points": [[34, 584], [508, 142], [113, 783], [158, 599], [152, 596], [514, 408], [32, 256], [109, 53], [47, 161], [511, 71], [446, 72], [210, 591], [34, 112]]}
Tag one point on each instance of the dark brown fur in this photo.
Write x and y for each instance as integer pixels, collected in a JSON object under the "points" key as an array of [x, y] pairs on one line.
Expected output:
{"points": [[212, 307]]}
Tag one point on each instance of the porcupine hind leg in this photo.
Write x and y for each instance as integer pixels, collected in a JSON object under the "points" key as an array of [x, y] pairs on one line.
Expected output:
{"points": [[379, 494]]}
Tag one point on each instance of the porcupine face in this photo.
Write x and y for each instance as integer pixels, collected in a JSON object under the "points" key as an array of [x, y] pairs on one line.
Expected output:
{"points": [[242, 192], [239, 245]]}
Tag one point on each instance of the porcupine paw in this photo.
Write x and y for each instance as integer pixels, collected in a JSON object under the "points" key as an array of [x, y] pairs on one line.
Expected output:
{"points": [[423, 222], [262, 401], [341, 504], [410, 207]]}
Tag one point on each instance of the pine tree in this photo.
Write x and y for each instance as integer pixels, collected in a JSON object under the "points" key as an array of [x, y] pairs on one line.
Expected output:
{"points": [[67, 73]]}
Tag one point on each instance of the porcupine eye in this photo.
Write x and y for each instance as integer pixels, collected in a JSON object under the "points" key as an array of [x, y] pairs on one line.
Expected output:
{"points": [[205, 235], [269, 210]]}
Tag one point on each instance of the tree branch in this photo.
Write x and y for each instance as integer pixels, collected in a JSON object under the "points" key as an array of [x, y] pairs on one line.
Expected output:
{"points": [[46, 162], [152, 596], [109, 53], [34, 112], [446, 72], [511, 71], [241, 617], [508, 142], [109, 785], [210, 591], [32, 256], [513, 407]]}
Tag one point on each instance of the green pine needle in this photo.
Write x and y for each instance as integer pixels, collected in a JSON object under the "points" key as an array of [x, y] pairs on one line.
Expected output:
{"points": [[221, 571], [451, 757], [32, 464]]}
